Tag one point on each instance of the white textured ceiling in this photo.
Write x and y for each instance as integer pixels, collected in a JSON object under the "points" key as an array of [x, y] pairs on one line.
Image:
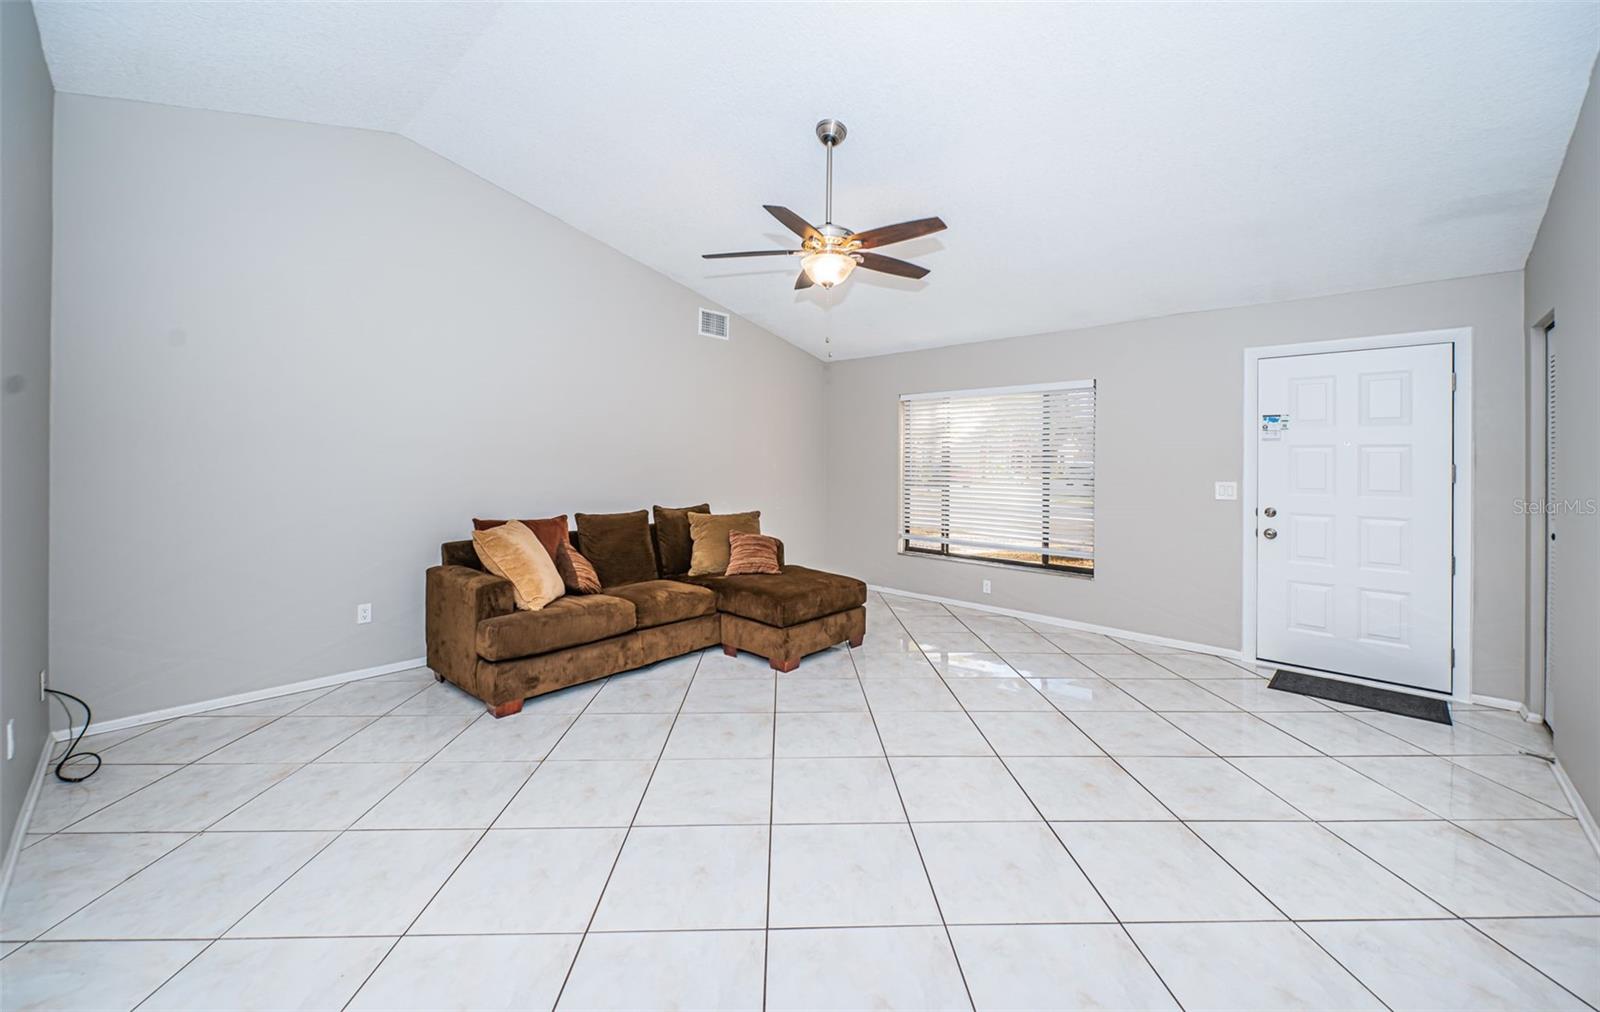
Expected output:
{"points": [[1095, 162]]}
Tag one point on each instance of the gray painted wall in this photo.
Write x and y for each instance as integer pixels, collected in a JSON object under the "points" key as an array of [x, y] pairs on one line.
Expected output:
{"points": [[1563, 275], [1168, 426], [26, 96], [292, 359]]}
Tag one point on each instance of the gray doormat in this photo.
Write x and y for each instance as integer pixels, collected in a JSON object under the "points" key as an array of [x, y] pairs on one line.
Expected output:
{"points": [[1387, 700]]}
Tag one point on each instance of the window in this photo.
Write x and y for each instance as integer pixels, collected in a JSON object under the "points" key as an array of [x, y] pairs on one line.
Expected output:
{"points": [[1004, 475]]}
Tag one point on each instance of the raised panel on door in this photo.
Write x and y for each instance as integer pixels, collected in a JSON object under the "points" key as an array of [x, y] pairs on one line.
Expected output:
{"points": [[1357, 579]]}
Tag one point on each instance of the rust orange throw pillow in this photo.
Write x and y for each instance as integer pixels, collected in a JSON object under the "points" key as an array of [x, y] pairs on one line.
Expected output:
{"points": [[575, 571], [749, 554], [551, 531]]}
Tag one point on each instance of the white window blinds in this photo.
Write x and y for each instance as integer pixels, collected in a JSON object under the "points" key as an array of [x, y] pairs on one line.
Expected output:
{"points": [[1004, 474]]}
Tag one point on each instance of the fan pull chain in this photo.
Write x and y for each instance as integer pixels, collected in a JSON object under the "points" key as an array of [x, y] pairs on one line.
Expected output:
{"points": [[827, 338]]}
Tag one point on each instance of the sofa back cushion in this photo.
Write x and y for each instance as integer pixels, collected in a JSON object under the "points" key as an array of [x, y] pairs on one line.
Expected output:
{"points": [[512, 551], [618, 546], [551, 531], [460, 553], [710, 534], [673, 543]]}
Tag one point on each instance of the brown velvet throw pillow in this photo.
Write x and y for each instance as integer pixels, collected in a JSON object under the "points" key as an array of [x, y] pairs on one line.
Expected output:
{"points": [[672, 537], [618, 546], [551, 532], [576, 573], [751, 554], [710, 531]]}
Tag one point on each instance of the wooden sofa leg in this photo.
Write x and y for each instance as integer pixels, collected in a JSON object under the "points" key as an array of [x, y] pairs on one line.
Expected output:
{"points": [[506, 709], [730, 650], [438, 677], [856, 641], [784, 666]]}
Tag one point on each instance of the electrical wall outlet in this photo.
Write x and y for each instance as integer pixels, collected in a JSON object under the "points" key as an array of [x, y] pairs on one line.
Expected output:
{"points": [[986, 586], [1227, 490], [363, 613], [11, 738]]}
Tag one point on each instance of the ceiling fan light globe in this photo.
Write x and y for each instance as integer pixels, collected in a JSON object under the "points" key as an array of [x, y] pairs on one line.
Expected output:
{"points": [[828, 269]]}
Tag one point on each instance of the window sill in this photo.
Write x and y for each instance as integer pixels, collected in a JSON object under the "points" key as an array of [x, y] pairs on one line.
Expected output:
{"points": [[987, 564]]}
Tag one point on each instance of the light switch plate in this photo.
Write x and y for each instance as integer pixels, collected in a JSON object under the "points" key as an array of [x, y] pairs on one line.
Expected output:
{"points": [[1227, 490]]}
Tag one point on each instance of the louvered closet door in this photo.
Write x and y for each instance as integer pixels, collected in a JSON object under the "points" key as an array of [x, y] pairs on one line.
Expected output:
{"points": [[1554, 607], [1354, 568]]}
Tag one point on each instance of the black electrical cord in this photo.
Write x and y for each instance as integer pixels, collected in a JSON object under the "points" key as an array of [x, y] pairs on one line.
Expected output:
{"points": [[72, 749]]}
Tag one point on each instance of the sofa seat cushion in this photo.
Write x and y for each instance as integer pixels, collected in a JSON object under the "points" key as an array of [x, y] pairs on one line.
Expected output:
{"points": [[788, 598], [564, 622], [657, 602]]}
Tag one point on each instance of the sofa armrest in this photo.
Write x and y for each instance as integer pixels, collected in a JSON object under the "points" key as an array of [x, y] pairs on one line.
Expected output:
{"points": [[458, 598], [780, 551]]}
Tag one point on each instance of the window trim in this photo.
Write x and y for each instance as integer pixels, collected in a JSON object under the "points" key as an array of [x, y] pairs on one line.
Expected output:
{"points": [[903, 546]]}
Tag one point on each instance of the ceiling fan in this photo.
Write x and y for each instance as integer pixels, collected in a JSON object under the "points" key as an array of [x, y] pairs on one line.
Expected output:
{"points": [[829, 253]]}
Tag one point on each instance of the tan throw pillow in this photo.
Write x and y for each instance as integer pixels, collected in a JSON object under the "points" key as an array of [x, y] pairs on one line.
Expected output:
{"points": [[513, 552], [576, 573], [709, 532], [751, 554]]}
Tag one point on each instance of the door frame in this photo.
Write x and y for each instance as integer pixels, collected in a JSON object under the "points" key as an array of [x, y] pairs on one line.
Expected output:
{"points": [[1460, 497]]}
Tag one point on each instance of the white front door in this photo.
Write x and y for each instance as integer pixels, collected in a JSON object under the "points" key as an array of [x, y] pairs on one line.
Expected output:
{"points": [[1353, 513]]}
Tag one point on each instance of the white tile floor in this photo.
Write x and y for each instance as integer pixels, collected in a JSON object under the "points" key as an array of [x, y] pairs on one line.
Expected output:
{"points": [[963, 812]]}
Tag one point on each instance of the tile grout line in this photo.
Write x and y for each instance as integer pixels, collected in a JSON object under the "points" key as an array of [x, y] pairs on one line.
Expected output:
{"points": [[1285, 918], [1299, 924], [1117, 918], [628, 832], [772, 803], [1203, 841], [483, 835], [949, 938], [193, 834], [337, 835]]}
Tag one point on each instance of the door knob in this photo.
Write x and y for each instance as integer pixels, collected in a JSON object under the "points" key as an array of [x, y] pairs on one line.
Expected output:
{"points": [[1271, 511], [1269, 533]]}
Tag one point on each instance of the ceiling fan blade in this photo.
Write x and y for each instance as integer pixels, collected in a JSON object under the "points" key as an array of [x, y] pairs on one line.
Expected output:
{"points": [[793, 222], [751, 253], [889, 265], [897, 233], [803, 281]]}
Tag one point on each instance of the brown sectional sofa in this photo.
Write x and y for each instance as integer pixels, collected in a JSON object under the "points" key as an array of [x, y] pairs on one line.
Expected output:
{"points": [[481, 642]]}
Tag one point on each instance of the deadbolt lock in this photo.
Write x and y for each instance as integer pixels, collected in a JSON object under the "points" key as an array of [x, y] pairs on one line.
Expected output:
{"points": [[1270, 511]]}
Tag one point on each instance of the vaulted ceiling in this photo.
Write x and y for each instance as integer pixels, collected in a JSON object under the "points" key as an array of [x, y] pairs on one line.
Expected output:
{"points": [[1095, 162]]}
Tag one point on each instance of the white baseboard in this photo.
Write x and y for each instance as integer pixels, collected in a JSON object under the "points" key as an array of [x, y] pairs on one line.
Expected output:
{"points": [[1067, 623], [1585, 818], [186, 709], [1502, 704], [19, 831]]}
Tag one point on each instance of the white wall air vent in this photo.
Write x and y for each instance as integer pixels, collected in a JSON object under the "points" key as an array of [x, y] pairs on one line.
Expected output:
{"points": [[713, 324]]}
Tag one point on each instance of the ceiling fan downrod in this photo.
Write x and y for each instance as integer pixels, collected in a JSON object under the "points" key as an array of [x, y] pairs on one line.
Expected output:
{"points": [[831, 133]]}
